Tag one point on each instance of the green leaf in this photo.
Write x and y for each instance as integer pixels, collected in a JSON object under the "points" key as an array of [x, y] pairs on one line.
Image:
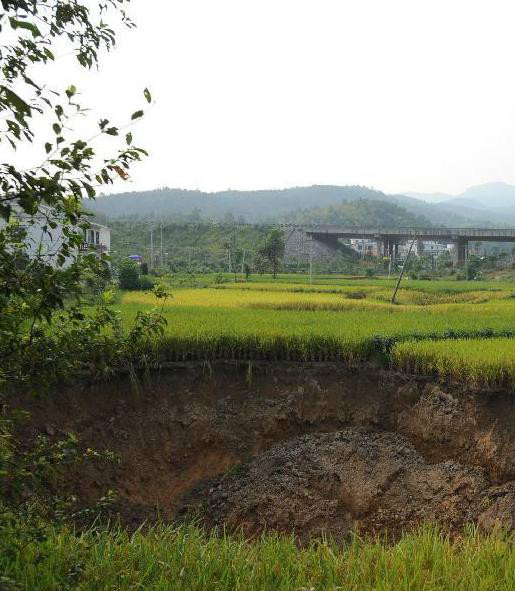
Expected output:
{"points": [[112, 131], [147, 95], [137, 115], [70, 91], [57, 128], [17, 102], [18, 24], [89, 190], [48, 147]]}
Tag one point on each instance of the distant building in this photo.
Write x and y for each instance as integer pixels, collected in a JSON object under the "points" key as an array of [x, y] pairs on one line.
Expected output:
{"points": [[425, 247], [432, 247], [97, 238], [45, 242], [365, 246]]}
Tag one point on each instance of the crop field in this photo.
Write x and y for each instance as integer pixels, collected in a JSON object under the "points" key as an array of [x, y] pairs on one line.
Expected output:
{"points": [[460, 330], [479, 362]]}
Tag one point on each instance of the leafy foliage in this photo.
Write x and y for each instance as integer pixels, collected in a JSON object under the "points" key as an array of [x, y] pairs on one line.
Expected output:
{"points": [[46, 336], [273, 250], [42, 221]]}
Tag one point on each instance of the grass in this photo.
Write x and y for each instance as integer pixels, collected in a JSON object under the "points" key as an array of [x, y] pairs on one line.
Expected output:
{"points": [[478, 362], [297, 280], [185, 559]]}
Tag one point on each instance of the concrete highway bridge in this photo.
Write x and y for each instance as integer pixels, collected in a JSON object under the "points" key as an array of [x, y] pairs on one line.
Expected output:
{"points": [[328, 237]]}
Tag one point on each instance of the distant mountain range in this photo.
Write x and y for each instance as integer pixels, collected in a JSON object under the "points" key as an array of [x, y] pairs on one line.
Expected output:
{"points": [[483, 205], [492, 201]]}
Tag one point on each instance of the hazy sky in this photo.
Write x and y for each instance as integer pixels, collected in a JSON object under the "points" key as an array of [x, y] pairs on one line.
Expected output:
{"points": [[395, 94]]}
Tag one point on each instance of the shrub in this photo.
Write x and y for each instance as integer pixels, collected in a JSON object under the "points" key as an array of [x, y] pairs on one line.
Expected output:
{"points": [[145, 283], [128, 276]]}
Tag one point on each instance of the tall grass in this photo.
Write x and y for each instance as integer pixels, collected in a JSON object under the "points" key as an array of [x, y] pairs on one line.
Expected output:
{"points": [[185, 559], [478, 362]]}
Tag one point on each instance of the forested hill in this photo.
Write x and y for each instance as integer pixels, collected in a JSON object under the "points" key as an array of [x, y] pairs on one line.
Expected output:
{"points": [[363, 212], [271, 205], [251, 206]]}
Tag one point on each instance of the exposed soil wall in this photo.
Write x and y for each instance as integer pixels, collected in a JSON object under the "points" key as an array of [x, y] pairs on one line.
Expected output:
{"points": [[301, 447]]}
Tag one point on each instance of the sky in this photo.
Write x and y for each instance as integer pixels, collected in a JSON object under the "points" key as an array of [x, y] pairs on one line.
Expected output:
{"points": [[398, 95]]}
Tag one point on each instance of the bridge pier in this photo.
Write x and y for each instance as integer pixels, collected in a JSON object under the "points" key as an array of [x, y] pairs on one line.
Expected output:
{"points": [[389, 248], [460, 254]]}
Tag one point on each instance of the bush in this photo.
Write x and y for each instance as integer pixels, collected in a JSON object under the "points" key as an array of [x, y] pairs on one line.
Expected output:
{"points": [[145, 283], [128, 276]]}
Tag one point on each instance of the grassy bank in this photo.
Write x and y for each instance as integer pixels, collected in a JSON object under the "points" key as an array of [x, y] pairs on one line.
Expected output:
{"points": [[185, 559]]}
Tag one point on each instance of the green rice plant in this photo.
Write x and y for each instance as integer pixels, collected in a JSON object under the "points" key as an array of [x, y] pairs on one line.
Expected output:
{"points": [[203, 332], [477, 362]]}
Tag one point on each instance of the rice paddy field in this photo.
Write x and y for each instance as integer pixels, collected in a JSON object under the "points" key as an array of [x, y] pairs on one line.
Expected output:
{"points": [[462, 330]]}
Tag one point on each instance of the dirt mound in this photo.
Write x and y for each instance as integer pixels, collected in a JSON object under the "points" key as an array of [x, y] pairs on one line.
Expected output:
{"points": [[309, 447], [334, 482]]}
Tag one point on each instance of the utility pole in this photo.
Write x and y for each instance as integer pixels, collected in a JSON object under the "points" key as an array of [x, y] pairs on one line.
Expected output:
{"points": [[151, 246], [161, 249], [311, 261], [402, 270], [243, 261]]}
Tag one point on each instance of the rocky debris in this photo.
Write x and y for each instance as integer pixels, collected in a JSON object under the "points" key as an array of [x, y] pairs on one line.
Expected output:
{"points": [[332, 482]]}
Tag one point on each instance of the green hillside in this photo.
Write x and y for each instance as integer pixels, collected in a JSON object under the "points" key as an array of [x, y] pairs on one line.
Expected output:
{"points": [[266, 205], [187, 246], [181, 244], [364, 212]]}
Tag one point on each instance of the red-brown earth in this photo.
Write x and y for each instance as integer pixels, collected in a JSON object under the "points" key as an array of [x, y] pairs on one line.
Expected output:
{"points": [[310, 448]]}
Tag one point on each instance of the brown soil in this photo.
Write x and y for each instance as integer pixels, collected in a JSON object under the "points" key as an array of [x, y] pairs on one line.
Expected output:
{"points": [[310, 448]]}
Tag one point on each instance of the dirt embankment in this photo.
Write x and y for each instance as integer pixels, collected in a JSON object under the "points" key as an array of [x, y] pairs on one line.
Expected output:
{"points": [[311, 448]]}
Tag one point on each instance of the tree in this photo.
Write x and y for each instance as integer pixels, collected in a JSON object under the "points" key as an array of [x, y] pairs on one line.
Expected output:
{"points": [[45, 336], [273, 250], [36, 285], [128, 275]]}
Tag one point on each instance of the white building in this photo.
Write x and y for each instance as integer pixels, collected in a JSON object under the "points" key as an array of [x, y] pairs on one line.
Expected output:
{"points": [[432, 247], [425, 247], [97, 238], [365, 246], [45, 242]]}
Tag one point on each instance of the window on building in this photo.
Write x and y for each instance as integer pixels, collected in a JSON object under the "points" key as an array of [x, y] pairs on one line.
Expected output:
{"points": [[97, 237]]}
